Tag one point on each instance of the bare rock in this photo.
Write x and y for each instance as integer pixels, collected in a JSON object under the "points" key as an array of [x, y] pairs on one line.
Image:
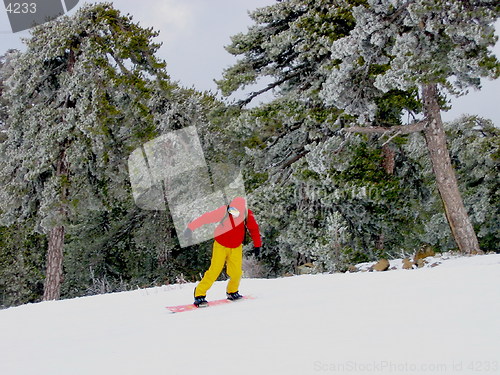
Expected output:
{"points": [[421, 263], [306, 269], [382, 265], [353, 269], [408, 264], [424, 252]]}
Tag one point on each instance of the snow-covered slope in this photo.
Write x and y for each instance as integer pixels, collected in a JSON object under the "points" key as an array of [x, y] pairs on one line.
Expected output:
{"points": [[442, 320]]}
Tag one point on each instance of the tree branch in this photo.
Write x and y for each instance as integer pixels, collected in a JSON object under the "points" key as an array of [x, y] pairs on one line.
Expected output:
{"points": [[391, 138], [398, 12], [403, 129], [293, 159], [271, 86]]}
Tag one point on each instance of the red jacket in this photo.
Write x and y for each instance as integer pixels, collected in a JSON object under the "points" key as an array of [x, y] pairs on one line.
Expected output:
{"points": [[231, 230]]}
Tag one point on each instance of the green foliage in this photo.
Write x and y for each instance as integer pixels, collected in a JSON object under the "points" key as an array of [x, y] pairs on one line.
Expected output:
{"points": [[86, 93], [334, 195], [368, 60], [90, 88], [125, 249], [22, 262], [393, 103], [351, 256], [290, 43], [473, 143], [405, 46], [474, 149]]}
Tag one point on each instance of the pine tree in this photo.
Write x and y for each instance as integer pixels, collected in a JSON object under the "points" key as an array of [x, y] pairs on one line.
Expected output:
{"points": [[372, 60], [474, 145], [425, 46], [21, 265], [7, 62], [337, 203], [80, 101], [297, 151], [289, 43]]}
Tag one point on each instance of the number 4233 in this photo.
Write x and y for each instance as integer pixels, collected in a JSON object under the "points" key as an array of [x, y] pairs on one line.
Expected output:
{"points": [[21, 8]]}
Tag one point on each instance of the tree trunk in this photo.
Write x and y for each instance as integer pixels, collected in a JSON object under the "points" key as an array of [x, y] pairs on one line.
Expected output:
{"points": [[54, 273], [388, 161], [55, 255], [455, 211]]}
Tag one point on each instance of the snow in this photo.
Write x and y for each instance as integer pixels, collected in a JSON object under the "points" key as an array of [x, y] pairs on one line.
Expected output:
{"points": [[443, 320]]}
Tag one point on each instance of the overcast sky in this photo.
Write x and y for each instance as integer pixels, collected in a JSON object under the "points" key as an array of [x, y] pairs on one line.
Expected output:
{"points": [[194, 33]]}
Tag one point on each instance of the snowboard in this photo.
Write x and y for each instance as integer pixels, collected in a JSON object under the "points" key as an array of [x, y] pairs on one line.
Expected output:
{"points": [[191, 306]]}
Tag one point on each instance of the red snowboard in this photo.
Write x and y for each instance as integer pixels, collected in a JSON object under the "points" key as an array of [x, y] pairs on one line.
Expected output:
{"points": [[182, 308]]}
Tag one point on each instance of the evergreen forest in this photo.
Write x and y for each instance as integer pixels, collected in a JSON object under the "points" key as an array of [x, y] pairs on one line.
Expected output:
{"points": [[349, 161]]}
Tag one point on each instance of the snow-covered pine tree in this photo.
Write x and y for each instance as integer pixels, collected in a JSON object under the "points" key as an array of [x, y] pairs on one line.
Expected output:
{"points": [[334, 205], [372, 60], [7, 62], [474, 145], [289, 43], [298, 156], [21, 264], [21, 255], [427, 47], [79, 102]]}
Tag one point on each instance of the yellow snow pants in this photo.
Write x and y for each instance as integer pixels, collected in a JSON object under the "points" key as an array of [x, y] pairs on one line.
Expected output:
{"points": [[233, 258]]}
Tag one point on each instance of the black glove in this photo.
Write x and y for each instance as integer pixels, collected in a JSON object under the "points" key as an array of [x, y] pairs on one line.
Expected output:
{"points": [[256, 251]]}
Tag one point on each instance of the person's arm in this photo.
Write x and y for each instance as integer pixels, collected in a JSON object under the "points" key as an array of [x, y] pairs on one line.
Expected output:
{"points": [[253, 228], [210, 217]]}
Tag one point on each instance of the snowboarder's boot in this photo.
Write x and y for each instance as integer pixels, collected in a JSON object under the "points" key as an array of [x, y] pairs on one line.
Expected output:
{"points": [[234, 296], [200, 301]]}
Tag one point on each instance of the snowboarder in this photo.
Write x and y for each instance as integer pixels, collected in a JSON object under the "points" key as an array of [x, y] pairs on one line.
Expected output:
{"points": [[233, 221]]}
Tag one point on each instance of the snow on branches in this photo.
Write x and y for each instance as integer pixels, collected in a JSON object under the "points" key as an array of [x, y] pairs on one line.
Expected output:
{"points": [[400, 44]]}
